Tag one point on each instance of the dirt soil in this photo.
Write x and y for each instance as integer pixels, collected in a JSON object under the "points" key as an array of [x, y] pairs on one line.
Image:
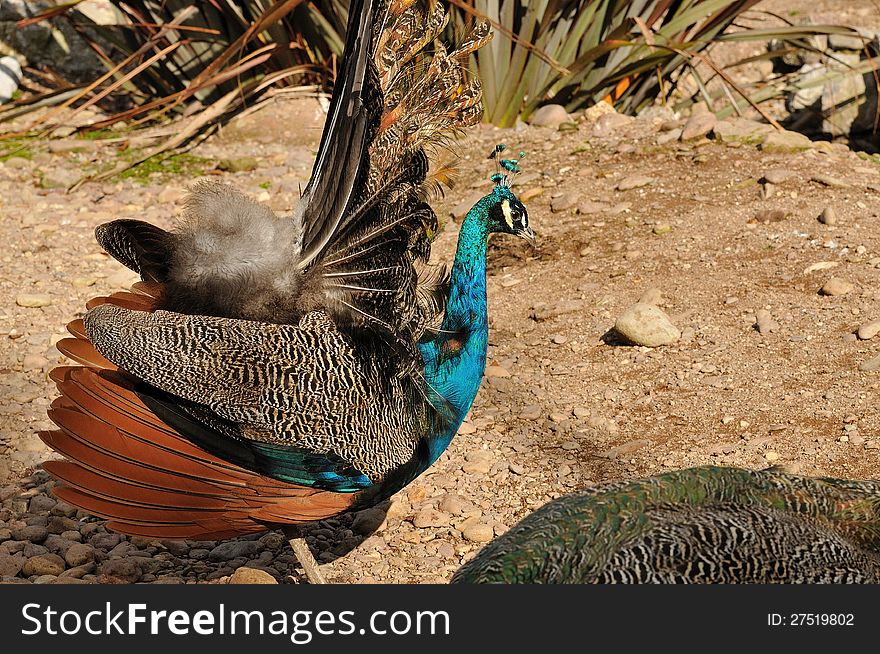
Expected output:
{"points": [[565, 403]]}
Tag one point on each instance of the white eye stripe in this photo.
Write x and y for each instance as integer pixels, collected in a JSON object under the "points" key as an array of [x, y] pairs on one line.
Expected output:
{"points": [[508, 215]]}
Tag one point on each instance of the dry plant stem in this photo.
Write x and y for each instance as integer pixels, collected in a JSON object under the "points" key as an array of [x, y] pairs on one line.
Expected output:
{"points": [[304, 556]]}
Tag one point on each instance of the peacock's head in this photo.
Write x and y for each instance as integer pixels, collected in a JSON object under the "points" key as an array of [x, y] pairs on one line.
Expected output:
{"points": [[506, 213]]}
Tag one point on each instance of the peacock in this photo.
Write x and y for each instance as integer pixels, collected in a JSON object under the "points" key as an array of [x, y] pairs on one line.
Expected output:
{"points": [[701, 525], [274, 371]]}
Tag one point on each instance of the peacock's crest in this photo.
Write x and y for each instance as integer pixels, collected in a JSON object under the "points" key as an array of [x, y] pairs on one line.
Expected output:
{"points": [[506, 169]]}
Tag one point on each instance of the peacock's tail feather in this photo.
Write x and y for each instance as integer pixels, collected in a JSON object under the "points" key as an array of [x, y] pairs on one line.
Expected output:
{"points": [[126, 465]]}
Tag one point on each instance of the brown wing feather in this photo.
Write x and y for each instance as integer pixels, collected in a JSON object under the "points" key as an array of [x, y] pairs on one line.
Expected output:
{"points": [[126, 465]]}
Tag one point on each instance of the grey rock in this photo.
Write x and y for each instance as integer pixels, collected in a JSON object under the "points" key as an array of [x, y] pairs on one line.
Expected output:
{"points": [[646, 324], [588, 207], [785, 141], [633, 182], [669, 136], [32, 533], [562, 203], [40, 504], [741, 130], [609, 123], [698, 125], [232, 549], [828, 180], [778, 175], [854, 42], [764, 322], [550, 115], [59, 178]]}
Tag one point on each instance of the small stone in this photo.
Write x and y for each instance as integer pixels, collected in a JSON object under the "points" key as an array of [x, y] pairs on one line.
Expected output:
{"points": [[646, 324], [770, 456], [246, 575], [430, 517], [238, 165], [828, 216], [83, 282], [785, 141], [58, 178], [33, 301], [550, 115], [559, 339], [233, 549], [562, 203], [79, 554], [44, 564], [871, 365], [627, 448], [478, 462], [869, 330], [836, 286], [516, 469], [609, 123], [634, 182], [765, 216], [764, 322], [479, 533], [120, 571], [531, 412], [530, 193], [466, 428], [453, 504], [32, 533], [497, 371], [661, 229], [821, 265], [40, 503], [589, 207], [669, 136], [828, 180], [777, 175], [10, 564], [699, 124]]}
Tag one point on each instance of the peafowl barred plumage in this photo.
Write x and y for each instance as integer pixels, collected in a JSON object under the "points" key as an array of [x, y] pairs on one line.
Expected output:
{"points": [[703, 525], [274, 371]]}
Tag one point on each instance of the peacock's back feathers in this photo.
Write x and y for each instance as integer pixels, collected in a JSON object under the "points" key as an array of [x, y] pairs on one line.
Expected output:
{"points": [[702, 525]]}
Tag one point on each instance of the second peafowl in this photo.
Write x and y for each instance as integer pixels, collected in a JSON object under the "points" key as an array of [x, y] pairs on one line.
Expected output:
{"points": [[702, 525], [276, 371]]}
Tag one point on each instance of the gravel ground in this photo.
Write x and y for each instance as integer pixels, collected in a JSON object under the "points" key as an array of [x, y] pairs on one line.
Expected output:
{"points": [[776, 360]]}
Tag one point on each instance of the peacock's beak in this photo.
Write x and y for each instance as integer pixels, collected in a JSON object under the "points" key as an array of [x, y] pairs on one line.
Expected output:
{"points": [[529, 235]]}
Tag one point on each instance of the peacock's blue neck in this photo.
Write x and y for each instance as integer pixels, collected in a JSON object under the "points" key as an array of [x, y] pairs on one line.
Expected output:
{"points": [[456, 359]]}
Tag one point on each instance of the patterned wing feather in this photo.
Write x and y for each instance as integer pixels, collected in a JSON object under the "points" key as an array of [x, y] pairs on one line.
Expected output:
{"points": [[709, 525]]}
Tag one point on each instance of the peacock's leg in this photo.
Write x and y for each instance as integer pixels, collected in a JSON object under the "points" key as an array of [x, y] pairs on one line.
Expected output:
{"points": [[304, 556]]}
